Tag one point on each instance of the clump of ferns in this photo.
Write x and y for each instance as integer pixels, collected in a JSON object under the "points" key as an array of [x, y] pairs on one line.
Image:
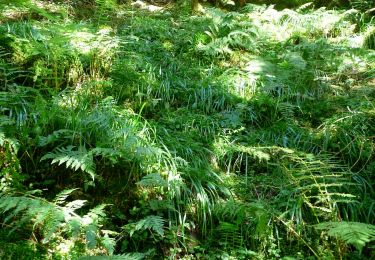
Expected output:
{"points": [[318, 181], [86, 136], [318, 188], [44, 53], [347, 136], [240, 224], [26, 46], [234, 32], [314, 181], [83, 137], [57, 221], [104, 9]]}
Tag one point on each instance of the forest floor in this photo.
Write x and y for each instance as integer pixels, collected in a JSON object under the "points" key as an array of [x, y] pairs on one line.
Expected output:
{"points": [[149, 132]]}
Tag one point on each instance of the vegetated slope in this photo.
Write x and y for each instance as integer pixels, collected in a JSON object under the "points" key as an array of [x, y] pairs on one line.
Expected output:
{"points": [[165, 134]]}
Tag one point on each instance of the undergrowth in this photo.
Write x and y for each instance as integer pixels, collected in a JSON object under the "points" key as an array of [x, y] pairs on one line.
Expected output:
{"points": [[136, 131]]}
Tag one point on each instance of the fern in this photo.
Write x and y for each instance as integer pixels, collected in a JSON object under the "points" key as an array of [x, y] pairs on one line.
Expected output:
{"points": [[74, 159], [152, 222], [320, 182], [55, 219], [102, 135], [228, 34], [240, 223], [230, 234], [8, 72], [104, 9], [126, 256], [153, 180], [354, 233]]}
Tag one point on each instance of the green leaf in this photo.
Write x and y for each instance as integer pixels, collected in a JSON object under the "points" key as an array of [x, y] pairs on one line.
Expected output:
{"points": [[153, 180], [354, 233], [155, 223], [74, 159]]}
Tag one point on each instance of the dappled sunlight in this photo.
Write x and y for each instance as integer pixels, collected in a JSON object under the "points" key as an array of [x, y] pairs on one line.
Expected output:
{"points": [[10, 12], [82, 41], [146, 6], [34, 8], [50, 6], [146, 130], [356, 41], [102, 42], [281, 25]]}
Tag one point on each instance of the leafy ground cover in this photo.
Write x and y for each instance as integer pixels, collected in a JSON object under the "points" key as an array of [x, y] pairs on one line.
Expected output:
{"points": [[134, 131]]}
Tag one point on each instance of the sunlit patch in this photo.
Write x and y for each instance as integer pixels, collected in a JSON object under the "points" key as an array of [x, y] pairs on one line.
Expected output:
{"points": [[272, 15], [68, 101], [65, 247], [352, 65], [280, 25], [86, 42], [145, 6], [167, 45], [81, 41], [23, 9], [12, 12], [49, 6]]}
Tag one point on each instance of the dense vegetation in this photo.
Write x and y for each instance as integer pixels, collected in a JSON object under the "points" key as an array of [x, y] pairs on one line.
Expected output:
{"points": [[139, 131]]}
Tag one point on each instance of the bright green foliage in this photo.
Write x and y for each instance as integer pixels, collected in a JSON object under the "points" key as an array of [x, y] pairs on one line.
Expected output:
{"points": [[129, 256], [232, 133], [154, 223], [354, 233], [73, 159], [53, 220], [153, 180]]}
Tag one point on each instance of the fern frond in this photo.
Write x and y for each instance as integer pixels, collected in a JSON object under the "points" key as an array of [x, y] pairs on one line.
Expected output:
{"points": [[74, 159], [57, 218], [152, 222], [126, 256], [40, 212], [354, 233], [153, 180], [231, 234], [156, 223], [62, 196]]}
